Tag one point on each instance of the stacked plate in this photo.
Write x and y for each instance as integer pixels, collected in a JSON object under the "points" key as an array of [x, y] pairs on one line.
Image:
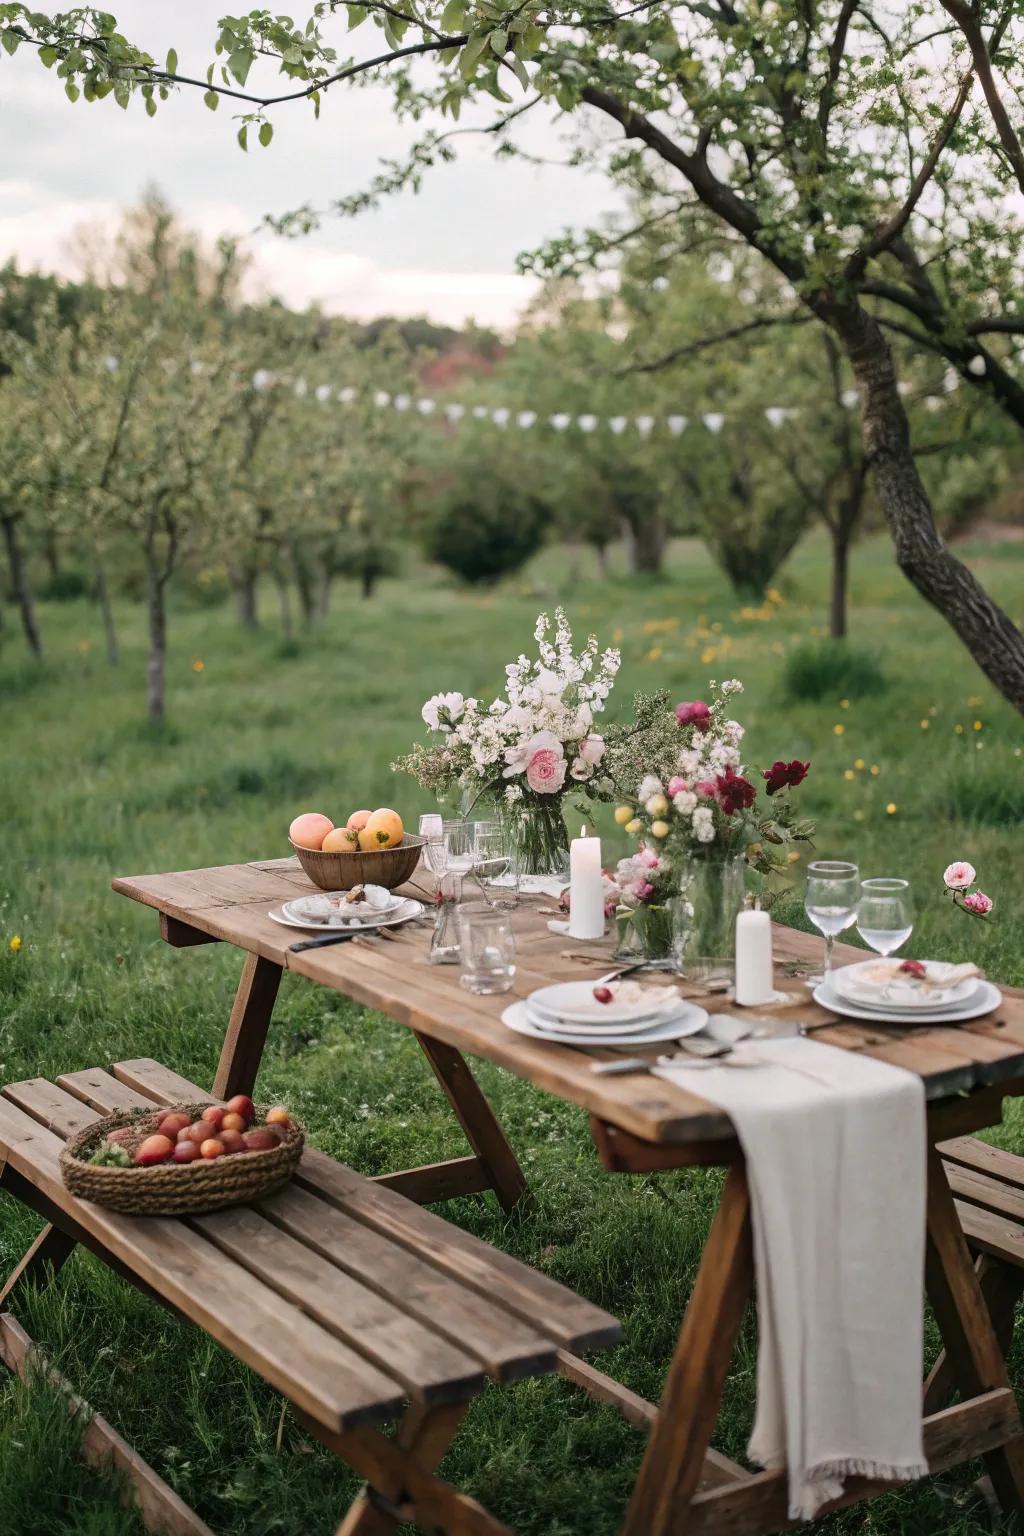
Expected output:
{"points": [[367, 906], [881, 992], [636, 1015]]}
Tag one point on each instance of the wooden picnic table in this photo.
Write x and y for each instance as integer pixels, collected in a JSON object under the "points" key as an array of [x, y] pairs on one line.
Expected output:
{"points": [[639, 1124]]}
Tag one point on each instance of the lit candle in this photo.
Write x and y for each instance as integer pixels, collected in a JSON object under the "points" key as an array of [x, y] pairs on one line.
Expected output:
{"points": [[586, 888], [754, 977]]}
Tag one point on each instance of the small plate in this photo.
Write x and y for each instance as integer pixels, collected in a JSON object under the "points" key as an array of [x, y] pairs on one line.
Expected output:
{"points": [[573, 1002], [547, 1025], [325, 905], [856, 983], [987, 998], [688, 1021], [404, 912]]}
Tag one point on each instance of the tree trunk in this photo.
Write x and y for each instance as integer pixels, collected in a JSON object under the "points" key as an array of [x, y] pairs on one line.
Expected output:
{"points": [[601, 550], [368, 581], [840, 575], [323, 596], [51, 554], [304, 587], [156, 666], [106, 610], [647, 537], [992, 639], [284, 598], [245, 582], [20, 590]]}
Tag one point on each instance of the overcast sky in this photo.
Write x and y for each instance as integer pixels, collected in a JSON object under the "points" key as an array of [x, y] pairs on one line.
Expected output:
{"points": [[448, 253]]}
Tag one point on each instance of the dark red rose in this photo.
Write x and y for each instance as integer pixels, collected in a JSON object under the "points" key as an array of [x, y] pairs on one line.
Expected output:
{"points": [[695, 713], [781, 774], [735, 793]]}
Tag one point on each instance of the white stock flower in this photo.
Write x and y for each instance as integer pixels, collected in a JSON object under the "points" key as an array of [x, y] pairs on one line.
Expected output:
{"points": [[513, 792], [703, 824], [443, 710], [685, 802], [650, 785], [731, 685]]}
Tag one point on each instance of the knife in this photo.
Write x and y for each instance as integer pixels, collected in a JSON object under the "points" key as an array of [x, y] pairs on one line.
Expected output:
{"points": [[328, 938]]}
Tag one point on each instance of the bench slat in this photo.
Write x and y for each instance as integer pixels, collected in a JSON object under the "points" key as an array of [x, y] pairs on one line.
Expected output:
{"points": [[969, 1152], [568, 1319], [57, 1110], [990, 1194], [991, 1233], [96, 1087], [297, 1356]]}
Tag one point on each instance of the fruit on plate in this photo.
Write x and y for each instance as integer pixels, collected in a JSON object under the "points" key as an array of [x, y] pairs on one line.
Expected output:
{"points": [[242, 1105], [310, 829], [341, 840], [278, 1116], [155, 1149], [357, 821], [384, 829], [262, 1138]]}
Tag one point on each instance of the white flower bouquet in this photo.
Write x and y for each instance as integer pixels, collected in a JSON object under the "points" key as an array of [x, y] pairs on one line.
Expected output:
{"points": [[526, 749]]}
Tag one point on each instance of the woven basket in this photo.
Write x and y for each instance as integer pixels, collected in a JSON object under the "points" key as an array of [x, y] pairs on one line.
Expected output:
{"points": [[341, 870], [176, 1189]]}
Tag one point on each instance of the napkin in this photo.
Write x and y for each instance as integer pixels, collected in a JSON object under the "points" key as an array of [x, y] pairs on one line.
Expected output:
{"points": [[835, 1150]]}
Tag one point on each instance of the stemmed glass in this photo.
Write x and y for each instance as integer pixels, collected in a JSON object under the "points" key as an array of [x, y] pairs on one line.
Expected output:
{"points": [[885, 914], [493, 858], [830, 902], [459, 849], [432, 828]]}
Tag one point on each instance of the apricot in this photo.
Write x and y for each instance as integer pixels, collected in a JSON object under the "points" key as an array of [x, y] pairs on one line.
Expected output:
{"points": [[155, 1149], [262, 1138], [242, 1105], [233, 1141], [278, 1116], [172, 1123], [310, 829], [357, 821], [212, 1147], [233, 1123], [201, 1131], [383, 830], [122, 1138], [214, 1115], [186, 1152], [341, 840]]}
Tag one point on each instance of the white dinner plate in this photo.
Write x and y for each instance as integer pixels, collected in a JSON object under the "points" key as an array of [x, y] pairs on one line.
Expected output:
{"points": [[402, 913], [688, 1021], [325, 905], [984, 1001], [901, 992], [573, 1002], [548, 1025]]}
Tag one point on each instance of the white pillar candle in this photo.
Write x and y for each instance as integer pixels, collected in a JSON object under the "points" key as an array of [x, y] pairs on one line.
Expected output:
{"points": [[754, 977], [586, 889]]}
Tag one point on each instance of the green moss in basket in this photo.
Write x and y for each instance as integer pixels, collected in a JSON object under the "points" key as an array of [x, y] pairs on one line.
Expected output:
{"points": [[110, 1155]]}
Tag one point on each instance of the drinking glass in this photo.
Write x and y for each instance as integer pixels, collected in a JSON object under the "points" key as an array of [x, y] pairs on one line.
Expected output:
{"points": [[432, 828], [830, 902], [492, 850], [459, 852], [445, 947], [488, 949], [885, 914]]}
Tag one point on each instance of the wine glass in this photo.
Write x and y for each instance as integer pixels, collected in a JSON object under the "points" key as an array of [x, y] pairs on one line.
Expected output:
{"points": [[885, 914], [493, 858], [432, 828], [459, 850], [830, 902]]}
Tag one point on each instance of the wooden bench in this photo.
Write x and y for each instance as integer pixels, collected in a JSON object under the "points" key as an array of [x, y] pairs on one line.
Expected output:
{"points": [[988, 1190], [356, 1304]]}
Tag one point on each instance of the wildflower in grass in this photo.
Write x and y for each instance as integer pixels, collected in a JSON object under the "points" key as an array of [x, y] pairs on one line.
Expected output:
{"points": [[15, 943], [198, 666], [839, 730], [848, 773], [978, 725], [618, 635], [859, 762], [925, 724], [858, 815], [974, 700], [655, 653], [891, 808], [85, 646], [773, 595], [978, 903], [875, 770], [958, 728], [708, 655], [844, 703], [958, 875]]}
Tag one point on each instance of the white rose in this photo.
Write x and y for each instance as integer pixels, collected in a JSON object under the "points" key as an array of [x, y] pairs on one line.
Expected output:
{"points": [[443, 710], [685, 802], [703, 825], [649, 785]]}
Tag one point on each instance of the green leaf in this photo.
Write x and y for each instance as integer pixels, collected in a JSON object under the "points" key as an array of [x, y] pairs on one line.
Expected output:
{"points": [[266, 133], [243, 137], [453, 16], [520, 72], [240, 64], [356, 16], [10, 40], [499, 41], [48, 56], [212, 100], [172, 62], [470, 54], [150, 107], [71, 91]]}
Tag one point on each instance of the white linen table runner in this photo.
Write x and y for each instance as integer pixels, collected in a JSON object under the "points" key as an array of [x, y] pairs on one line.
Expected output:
{"points": [[835, 1149]]}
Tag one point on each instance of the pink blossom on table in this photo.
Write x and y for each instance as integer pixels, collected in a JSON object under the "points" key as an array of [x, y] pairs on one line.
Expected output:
{"points": [[978, 903], [676, 785], [545, 770], [958, 875], [694, 712]]}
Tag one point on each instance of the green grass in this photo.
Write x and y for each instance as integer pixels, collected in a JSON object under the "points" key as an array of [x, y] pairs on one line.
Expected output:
{"points": [[88, 791]]}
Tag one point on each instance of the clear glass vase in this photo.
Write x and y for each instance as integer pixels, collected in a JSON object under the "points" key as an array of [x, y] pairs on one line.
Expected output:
{"points": [[644, 932], [704, 911], [537, 836]]}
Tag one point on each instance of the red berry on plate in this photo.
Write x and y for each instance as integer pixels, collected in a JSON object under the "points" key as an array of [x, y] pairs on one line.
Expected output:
{"points": [[914, 968], [603, 994]]}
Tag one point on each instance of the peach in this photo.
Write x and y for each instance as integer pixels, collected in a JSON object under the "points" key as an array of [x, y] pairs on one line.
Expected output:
{"points": [[155, 1149], [233, 1123], [214, 1115], [262, 1139], [357, 821], [278, 1116], [310, 829], [122, 1138], [186, 1152], [233, 1141], [212, 1147], [172, 1123], [383, 830], [201, 1131], [341, 840], [242, 1105]]}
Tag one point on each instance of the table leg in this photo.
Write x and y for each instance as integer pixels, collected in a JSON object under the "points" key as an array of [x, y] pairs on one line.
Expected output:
{"points": [[974, 1358], [424, 1435], [40, 1264], [674, 1462], [1001, 1285], [247, 1028], [478, 1121]]}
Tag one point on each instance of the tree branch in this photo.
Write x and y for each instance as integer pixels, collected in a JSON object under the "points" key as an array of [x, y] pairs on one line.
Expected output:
{"points": [[703, 343], [981, 54]]}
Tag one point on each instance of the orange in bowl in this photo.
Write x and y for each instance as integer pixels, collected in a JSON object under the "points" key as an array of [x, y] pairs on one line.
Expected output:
{"points": [[310, 829], [384, 829]]}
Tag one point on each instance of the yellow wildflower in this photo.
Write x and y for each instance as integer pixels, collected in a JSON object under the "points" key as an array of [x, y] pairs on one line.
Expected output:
{"points": [[925, 724], [654, 654], [844, 703], [890, 809], [858, 762], [85, 646], [708, 655], [974, 700], [875, 770], [849, 774], [839, 730], [15, 944], [198, 666], [978, 725], [958, 728], [858, 815], [618, 634], [773, 595]]}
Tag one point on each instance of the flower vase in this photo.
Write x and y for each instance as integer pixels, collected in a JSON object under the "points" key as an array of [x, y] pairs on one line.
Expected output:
{"points": [[704, 912], [644, 932], [538, 837]]}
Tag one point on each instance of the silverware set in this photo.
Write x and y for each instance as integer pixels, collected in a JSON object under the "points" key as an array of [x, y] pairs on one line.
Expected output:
{"points": [[717, 1041]]}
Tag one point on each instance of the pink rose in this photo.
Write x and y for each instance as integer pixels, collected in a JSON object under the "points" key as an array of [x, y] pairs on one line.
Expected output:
{"points": [[959, 876], [648, 858], [696, 713], [545, 771], [676, 786], [708, 788], [592, 750], [978, 903]]}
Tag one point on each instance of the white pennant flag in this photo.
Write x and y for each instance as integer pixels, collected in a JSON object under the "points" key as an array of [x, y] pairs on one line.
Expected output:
{"points": [[645, 425], [346, 395], [850, 398], [776, 415], [425, 407], [714, 421], [561, 421], [323, 392], [526, 418], [677, 424], [481, 412], [401, 402], [586, 423], [952, 381], [500, 416], [933, 403], [111, 364], [976, 366], [618, 423], [300, 389], [455, 412], [381, 397], [262, 379]]}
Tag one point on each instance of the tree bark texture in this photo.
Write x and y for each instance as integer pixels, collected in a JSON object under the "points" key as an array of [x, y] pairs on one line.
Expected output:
{"points": [[106, 611], [21, 592], [156, 664]]}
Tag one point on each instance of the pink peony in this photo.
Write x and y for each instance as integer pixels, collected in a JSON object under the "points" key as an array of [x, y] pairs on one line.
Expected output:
{"points": [[958, 876], [978, 903], [545, 771], [676, 786], [708, 788], [696, 713], [648, 858]]}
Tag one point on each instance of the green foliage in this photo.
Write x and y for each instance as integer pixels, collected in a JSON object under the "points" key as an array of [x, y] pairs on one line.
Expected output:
{"points": [[829, 670], [485, 532], [66, 586], [982, 788]]}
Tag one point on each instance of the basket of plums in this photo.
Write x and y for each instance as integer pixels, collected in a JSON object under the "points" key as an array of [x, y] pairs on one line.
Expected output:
{"points": [[184, 1159]]}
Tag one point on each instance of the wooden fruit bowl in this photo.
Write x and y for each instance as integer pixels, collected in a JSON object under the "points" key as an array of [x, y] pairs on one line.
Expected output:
{"points": [[176, 1189], [341, 870]]}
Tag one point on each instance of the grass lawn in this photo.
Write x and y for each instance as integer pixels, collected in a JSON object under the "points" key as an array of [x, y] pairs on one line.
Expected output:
{"points": [[903, 781]]}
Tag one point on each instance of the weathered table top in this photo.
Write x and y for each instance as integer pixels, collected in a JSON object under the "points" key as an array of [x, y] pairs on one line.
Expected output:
{"points": [[230, 902]]}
